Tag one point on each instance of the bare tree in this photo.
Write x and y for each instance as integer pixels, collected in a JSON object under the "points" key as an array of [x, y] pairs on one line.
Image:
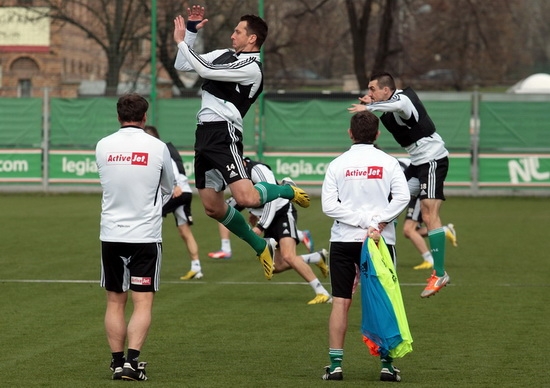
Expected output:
{"points": [[537, 33], [487, 40], [373, 19], [117, 26], [359, 26], [383, 49], [475, 41], [308, 43], [167, 10]]}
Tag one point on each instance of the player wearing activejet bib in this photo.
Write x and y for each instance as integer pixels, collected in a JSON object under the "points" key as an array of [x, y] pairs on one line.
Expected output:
{"points": [[364, 191], [135, 171]]}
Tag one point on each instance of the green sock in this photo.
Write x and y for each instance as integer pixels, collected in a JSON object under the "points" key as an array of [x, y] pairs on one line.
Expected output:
{"points": [[387, 362], [235, 222], [269, 191], [336, 356], [437, 246]]}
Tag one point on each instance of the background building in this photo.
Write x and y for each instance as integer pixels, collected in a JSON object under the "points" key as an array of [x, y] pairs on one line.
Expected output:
{"points": [[38, 53]]}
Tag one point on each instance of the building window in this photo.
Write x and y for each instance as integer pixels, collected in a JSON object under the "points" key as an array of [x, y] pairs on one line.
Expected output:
{"points": [[25, 64], [24, 87]]}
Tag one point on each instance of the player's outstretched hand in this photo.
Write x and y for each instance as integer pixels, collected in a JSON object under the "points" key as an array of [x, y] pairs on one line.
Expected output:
{"points": [[365, 100], [357, 108], [196, 14], [179, 29]]}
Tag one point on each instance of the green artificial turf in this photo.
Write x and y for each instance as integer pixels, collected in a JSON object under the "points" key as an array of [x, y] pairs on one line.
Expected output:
{"points": [[488, 328]]}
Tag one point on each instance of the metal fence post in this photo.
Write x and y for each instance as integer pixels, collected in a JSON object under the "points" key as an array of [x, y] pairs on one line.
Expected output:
{"points": [[46, 139], [474, 136]]}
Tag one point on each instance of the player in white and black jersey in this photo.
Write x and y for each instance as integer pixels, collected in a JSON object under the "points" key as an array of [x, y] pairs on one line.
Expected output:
{"points": [[135, 171], [278, 220], [233, 80], [406, 118]]}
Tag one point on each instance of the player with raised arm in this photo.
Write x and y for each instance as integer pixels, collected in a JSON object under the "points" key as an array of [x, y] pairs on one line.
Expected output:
{"points": [[233, 80]]}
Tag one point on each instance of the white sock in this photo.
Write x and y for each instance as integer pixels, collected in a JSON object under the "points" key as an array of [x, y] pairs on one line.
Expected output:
{"points": [[226, 245], [300, 235], [196, 265], [318, 287], [428, 257], [312, 258]]}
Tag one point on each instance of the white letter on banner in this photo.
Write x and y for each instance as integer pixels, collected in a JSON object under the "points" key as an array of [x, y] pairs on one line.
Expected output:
{"points": [[526, 170]]}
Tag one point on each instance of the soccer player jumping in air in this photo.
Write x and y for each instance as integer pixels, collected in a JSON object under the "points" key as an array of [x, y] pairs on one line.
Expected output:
{"points": [[233, 79]]}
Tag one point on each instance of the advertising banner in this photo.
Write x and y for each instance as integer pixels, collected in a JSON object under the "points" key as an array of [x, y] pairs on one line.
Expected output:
{"points": [[72, 167], [79, 167], [20, 165], [514, 170]]}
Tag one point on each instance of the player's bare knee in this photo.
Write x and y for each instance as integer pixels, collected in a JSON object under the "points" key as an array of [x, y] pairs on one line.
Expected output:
{"points": [[213, 212], [249, 200], [290, 260]]}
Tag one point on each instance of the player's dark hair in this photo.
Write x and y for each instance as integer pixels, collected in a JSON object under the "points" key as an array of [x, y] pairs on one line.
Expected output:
{"points": [[364, 127], [255, 25], [384, 79], [152, 130], [131, 108]]}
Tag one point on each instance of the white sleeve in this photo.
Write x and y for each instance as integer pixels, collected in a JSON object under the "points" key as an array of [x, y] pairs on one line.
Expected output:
{"points": [[181, 63], [399, 104], [167, 178], [239, 71]]}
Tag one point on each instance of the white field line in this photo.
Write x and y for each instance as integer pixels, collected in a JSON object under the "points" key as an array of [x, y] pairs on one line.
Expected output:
{"points": [[181, 282]]}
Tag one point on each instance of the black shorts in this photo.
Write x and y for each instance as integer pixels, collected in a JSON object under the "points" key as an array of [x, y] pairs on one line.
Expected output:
{"points": [[218, 154], [345, 258], [431, 177], [284, 224], [181, 207], [134, 266]]}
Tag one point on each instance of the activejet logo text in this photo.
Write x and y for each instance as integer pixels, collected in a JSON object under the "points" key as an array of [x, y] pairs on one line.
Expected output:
{"points": [[371, 172], [133, 158], [140, 281]]}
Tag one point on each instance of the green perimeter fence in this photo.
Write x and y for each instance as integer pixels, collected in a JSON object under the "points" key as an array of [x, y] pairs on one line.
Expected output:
{"points": [[498, 143]]}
